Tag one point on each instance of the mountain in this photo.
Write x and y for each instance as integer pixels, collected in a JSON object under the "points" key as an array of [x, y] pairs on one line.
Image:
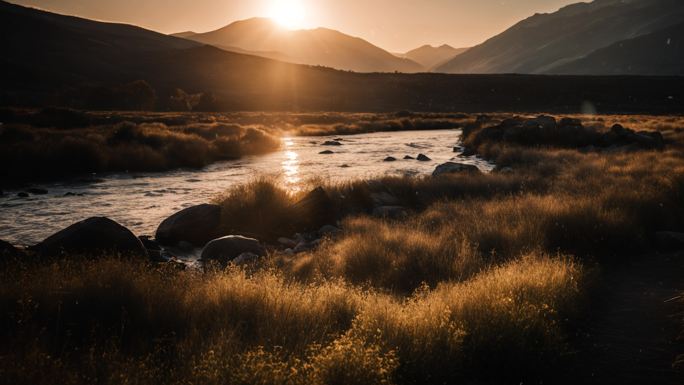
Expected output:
{"points": [[56, 60], [321, 46], [545, 42], [430, 57], [660, 52], [184, 35]]}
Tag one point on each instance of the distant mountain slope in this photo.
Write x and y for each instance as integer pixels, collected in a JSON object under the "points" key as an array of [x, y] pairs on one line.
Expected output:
{"points": [[55, 60], [544, 42], [657, 53], [184, 35], [430, 57], [321, 46]]}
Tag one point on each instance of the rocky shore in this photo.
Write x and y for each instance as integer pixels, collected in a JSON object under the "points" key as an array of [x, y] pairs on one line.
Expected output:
{"points": [[198, 229]]}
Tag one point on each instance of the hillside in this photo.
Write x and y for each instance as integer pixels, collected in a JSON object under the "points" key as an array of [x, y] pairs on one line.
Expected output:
{"points": [[545, 42], [430, 57], [67, 61], [661, 52], [321, 46]]}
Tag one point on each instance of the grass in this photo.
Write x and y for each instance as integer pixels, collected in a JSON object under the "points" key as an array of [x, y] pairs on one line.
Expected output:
{"points": [[123, 322], [30, 153], [488, 280]]}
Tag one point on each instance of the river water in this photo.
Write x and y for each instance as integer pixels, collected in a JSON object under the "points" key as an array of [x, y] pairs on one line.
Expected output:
{"points": [[141, 201]]}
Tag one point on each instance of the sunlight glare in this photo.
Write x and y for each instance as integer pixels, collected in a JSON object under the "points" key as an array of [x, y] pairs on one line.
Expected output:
{"points": [[290, 14]]}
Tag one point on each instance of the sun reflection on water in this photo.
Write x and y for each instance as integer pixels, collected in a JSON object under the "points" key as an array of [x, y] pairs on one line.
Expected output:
{"points": [[291, 166]]}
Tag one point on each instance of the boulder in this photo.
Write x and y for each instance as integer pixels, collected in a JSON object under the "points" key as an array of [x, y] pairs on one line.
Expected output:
{"points": [[329, 231], [245, 259], [226, 249], [570, 122], [390, 159], [423, 158], [196, 225], [669, 240], [542, 121], [621, 136], [454, 168], [332, 143], [23, 194], [154, 249], [287, 242], [409, 157], [390, 212], [7, 250], [326, 152], [92, 236]]}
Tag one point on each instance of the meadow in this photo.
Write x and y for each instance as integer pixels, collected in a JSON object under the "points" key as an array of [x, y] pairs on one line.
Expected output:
{"points": [[488, 278]]}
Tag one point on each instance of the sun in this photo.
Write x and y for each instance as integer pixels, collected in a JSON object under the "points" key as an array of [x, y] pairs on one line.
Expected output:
{"points": [[290, 14]]}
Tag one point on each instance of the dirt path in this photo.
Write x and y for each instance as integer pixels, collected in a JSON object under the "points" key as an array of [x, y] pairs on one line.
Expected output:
{"points": [[634, 332]]}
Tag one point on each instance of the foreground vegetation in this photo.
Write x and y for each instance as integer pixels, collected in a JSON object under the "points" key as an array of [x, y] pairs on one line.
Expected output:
{"points": [[487, 279]]}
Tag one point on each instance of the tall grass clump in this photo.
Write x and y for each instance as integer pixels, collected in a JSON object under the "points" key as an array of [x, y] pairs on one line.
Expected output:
{"points": [[119, 321], [30, 153]]}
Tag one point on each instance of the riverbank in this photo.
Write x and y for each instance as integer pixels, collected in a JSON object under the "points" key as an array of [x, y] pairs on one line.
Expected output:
{"points": [[458, 276]]}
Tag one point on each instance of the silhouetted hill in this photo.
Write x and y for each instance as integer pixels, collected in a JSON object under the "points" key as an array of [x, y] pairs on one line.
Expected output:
{"points": [[57, 60], [656, 53], [321, 46], [184, 35], [430, 57], [545, 42]]}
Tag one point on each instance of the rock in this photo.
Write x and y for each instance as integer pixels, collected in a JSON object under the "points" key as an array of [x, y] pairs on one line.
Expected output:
{"points": [[287, 242], [226, 249], [149, 243], [454, 168], [185, 246], [326, 152], [457, 148], [37, 191], [669, 240], [92, 236], [390, 159], [390, 212], [196, 225], [621, 136], [245, 259], [542, 121], [423, 158], [384, 198], [7, 250], [23, 194], [314, 210], [570, 122], [409, 157], [504, 170], [332, 143], [345, 166], [154, 249], [302, 247], [329, 231]]}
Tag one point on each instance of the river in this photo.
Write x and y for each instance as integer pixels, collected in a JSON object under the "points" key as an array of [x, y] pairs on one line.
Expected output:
{"points": [[141, 201]]}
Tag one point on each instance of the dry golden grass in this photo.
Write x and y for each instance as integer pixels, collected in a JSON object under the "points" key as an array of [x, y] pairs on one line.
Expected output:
{"points": [[484, 282], [124, 322]]}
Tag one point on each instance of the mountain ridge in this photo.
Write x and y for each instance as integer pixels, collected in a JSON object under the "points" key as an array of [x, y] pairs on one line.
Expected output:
{"points": [[319, 46], [542, 42]]}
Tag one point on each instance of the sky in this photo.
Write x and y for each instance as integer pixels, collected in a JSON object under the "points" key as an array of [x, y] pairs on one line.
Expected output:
{"points": [[395, 25]]}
